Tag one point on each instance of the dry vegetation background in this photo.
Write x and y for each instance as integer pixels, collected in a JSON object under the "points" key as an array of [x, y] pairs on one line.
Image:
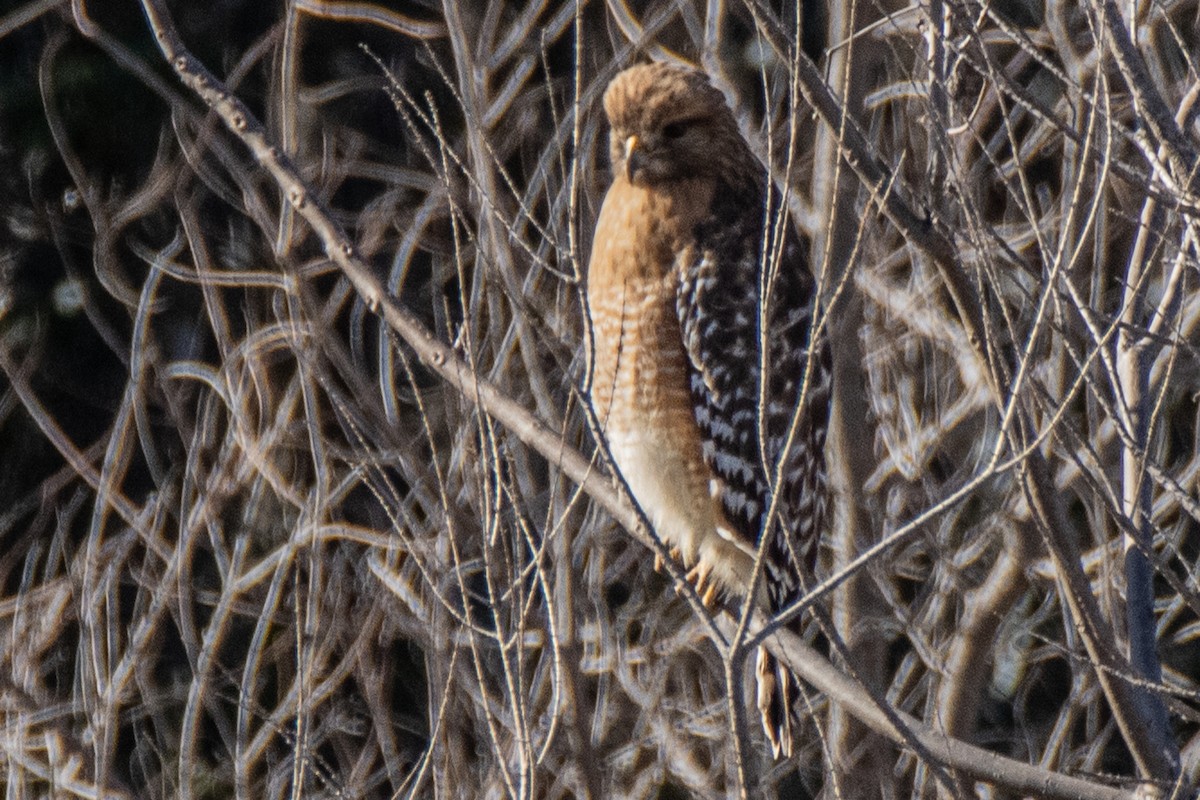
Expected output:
{"points": [[262, 537]]}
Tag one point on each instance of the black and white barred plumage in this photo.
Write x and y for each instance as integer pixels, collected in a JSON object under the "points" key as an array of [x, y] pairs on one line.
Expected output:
{"points": [[723, 315]]}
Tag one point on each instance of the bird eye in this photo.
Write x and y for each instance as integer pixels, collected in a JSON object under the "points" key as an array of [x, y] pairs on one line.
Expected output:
{"points": [[674, 130]]}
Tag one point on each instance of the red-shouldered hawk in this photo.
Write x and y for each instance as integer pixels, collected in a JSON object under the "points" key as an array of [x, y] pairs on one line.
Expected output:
{"points": [[690, 280]]}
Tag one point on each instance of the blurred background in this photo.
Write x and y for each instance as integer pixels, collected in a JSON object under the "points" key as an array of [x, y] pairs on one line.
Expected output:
{"points": [[251, 546]]}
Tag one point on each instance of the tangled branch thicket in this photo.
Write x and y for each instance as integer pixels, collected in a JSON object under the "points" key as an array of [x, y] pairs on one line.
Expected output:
{"points": [[255, 543]]}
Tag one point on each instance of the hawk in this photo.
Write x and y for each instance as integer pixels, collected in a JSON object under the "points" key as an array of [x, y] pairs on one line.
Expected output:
{"points": [[701, 304]]}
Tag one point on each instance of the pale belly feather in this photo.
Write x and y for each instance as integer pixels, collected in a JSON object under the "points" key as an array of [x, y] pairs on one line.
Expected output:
{"points": [[643, 402]]}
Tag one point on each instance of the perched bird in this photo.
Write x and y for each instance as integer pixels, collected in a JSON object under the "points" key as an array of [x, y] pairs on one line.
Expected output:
{"points": [[701, 306]]}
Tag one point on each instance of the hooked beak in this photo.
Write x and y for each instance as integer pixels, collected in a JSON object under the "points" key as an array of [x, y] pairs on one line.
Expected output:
{"points": [[633, 157]]}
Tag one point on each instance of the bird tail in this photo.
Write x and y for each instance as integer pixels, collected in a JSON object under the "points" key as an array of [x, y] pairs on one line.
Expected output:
{"points": [[777, 693]]}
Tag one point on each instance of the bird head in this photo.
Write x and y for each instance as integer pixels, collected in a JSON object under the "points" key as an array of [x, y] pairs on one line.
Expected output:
{"points": [[667, 123]]}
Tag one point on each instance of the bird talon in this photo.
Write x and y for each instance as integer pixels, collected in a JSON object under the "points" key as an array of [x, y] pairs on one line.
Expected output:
{"points": [[699, 576], [660, 563]]}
